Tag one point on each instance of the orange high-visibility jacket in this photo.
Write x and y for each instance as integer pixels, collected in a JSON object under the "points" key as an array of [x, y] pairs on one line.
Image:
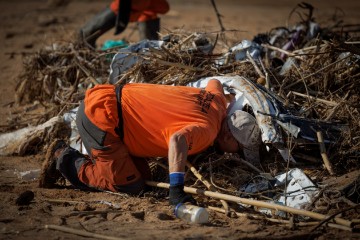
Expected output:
{"points": [[153, 113], [143, 10]]}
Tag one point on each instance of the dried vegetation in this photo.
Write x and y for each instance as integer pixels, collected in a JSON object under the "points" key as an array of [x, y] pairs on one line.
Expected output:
{"points": [[322, 83]]}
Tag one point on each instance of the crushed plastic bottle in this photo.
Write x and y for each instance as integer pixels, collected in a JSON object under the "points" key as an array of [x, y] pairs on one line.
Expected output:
{"points": [[191, 213]]}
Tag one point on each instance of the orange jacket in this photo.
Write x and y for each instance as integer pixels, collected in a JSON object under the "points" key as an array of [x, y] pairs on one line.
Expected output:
{"points": [[153, 113], [143, 10]]}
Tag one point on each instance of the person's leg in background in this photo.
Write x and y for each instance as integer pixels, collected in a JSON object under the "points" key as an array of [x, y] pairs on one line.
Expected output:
{"points": [[97, 26], [147, 18]]}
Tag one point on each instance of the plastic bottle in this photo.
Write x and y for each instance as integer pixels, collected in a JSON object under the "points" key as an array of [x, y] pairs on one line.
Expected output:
{"points": [[191, 213]]}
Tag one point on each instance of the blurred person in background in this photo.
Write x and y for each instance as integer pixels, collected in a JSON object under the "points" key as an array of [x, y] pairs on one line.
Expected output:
{"points": [[119, 13]]}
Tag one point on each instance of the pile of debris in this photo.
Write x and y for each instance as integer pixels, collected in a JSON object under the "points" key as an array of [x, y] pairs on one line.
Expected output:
{"points": [[57, 76], [308, 74]]}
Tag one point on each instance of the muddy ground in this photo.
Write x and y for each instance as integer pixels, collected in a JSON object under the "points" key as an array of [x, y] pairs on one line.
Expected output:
{"points": [[28, 25]]}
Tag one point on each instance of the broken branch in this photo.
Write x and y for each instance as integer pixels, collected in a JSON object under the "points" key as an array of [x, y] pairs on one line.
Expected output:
{"points": [[81, 232], [256, 203], [324, 156], [206, 183]]}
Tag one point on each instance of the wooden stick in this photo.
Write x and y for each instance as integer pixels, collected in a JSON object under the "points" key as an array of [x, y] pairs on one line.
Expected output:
{"points": [[207, 184], [281, 50], [324, 156], [257, 69], [64, 201], [188, 38], [218, 15], [333, 111], [267, 80], [257, 203], [74, 213], [315, 98], [356, 221], [81, 232], [251, 216], [87, 73], [283, 221], [307, 49]]}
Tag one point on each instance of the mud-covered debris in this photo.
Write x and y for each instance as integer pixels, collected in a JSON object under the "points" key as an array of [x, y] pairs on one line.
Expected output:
{"points": [[25, 198]]}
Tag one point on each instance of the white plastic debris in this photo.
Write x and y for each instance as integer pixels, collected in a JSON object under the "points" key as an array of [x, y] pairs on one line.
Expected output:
{"points": [[114, 205], [127, 57], [300, 190], [272, 212], [240, 50], [75, 140], [288, 65], [247, 94], [29, 175]]}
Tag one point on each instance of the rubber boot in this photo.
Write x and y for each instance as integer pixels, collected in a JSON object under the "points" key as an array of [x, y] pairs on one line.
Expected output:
{"points": [[149, 29], [98, 25]]}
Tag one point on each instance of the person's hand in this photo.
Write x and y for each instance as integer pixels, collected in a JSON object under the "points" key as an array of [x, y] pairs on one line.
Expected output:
{"points": [[177, 195]]}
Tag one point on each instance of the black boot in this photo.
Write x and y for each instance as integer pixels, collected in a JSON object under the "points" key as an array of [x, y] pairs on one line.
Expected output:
{"points": [[149, 29], [98, 25]]}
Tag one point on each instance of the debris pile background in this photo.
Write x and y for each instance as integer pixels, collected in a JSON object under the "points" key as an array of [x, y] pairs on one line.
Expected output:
{"points": [[317, 77]]}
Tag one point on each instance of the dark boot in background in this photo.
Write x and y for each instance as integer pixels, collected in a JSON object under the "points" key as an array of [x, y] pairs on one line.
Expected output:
{"points": [[96, 26], [149, 29]]}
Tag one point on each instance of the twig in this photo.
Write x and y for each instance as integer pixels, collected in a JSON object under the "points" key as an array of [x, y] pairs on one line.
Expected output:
{"points": [[316, 72], [257, 69], [306, 88], [267, 80], [283, 221], [74, 213], [87, 73], [75, 85], [308, 48], [324, 156], [178, 65], [248, 164], [333, 216], [333, 111], [212, 182], [257, 203], [315, 98], [63, 201], [160, 164], [188, 38], [81, 232], [281, 50], [218, 16], [206, 183], [287, 166]]}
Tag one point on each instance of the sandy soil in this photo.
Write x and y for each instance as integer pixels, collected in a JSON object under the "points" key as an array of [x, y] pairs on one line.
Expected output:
{"points": [[26, 26]]}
